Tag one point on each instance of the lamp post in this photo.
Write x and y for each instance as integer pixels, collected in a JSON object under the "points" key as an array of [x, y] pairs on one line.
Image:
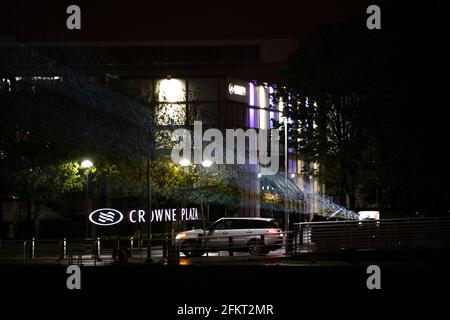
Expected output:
{"points": [[149, 196], [286, 213], [87, 165], [205, 164], [185, 163]]}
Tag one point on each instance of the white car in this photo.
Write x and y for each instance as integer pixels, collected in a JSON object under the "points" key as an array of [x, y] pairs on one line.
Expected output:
{"points": [[255, 235]]}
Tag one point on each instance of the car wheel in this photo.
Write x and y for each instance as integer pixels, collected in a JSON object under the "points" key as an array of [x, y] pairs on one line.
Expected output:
{"points": [[192, 249], [256, 248]]}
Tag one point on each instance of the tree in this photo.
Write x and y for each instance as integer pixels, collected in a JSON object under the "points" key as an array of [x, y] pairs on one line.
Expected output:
{"points": [[326, 95], [51, 119], [365, 106]]}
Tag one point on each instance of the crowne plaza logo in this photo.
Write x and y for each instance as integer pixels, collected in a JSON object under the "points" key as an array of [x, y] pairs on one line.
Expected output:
{"points": [[106, 217], [109, 216]]}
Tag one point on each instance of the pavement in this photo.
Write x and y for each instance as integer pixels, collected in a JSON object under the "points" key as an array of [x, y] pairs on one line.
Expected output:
{"points": [[274, 258], [140, 257]]}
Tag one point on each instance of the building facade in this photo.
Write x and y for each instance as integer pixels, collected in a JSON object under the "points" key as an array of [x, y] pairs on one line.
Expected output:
{"points": [[223, 84]]}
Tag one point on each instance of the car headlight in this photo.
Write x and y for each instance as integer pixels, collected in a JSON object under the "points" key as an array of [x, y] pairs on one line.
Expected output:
{"points": [[180, 236]]}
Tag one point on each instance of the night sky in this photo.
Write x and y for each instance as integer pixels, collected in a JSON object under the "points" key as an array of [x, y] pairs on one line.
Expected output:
{"points": [[172, 20], [418, 31]]}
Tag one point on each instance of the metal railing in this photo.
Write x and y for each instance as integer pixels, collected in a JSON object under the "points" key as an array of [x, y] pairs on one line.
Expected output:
{"points": [[95, 250], [35, 250], [330, 236], [384, 235]]}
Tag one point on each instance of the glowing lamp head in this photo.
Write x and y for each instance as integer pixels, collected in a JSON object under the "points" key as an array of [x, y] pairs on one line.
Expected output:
{"points": [[185, 162], [207, 163], [86, 164]]}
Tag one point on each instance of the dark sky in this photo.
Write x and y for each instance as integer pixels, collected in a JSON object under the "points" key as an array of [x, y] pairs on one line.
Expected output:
{"points": [[171, 20]]}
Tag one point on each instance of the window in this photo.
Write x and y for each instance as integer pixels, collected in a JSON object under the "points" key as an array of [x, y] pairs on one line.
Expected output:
{"points": [[262, 224], [172, 97], [222, 225], [253, 224], [241, 224]]}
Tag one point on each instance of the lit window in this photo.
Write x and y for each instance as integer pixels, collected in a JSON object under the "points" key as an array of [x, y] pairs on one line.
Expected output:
{"points": [[172, 98], [170, 114], [263, 119], [173, 90]]}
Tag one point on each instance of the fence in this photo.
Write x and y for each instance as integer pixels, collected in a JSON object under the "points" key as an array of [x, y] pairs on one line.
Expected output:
{"points": [[384, 235], [50, 249], [96, 250], [326, 237]]}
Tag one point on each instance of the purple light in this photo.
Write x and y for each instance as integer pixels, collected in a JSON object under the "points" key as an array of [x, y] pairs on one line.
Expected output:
{"points": [[273, 116], [251, 112], [251, 90], [292, 166], [251, 118]]}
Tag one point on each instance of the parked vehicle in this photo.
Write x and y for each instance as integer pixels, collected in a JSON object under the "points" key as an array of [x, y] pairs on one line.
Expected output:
{"points": [[258, 236]]}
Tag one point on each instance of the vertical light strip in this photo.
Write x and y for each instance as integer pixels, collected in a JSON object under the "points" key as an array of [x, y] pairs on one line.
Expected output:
{"points": [[251, 117], [251, 102], [281, 107], [251, 95], [262, 97], [291, 166], [263, 105], [272, 114], [271, 91]]}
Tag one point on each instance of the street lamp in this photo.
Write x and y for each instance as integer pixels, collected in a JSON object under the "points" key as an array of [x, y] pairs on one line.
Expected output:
{"points": [[286, 213], [149, 200], [185, 162], [207, 163], [87, 165]]}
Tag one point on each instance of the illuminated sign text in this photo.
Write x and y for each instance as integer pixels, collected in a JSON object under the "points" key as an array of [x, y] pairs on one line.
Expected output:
{"points": [[237, 89], [108, 216]]}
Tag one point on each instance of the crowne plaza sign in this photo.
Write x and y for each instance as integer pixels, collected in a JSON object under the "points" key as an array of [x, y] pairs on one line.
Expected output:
{"points": [[109, 216]]}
